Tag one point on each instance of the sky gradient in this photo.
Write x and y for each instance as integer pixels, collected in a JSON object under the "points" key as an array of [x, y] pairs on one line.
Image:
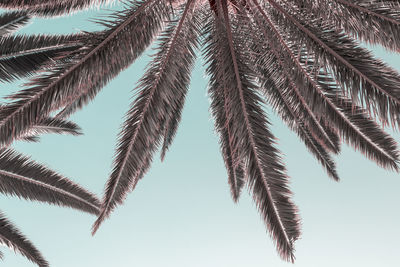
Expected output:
{"points": [[181, 213]]}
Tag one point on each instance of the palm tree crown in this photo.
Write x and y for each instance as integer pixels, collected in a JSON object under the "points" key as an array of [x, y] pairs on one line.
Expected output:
{"points": [[302, 57]]}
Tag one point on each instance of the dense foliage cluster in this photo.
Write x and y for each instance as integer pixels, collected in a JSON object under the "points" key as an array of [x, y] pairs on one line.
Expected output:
{"points": [[301, 57]]}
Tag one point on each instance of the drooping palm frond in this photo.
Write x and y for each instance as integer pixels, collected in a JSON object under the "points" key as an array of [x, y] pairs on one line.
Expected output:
{"points": [[385, 153], [51, 125], [267, 51], [252, 139], [46, 126], [187, 41], [220, 107], [127, 25], [11, 21], [22, 177], [21, 56], [161, 93], [11, 237], [64, 85], [365, 79], [280, 92], [380, 23], [50, 7]]}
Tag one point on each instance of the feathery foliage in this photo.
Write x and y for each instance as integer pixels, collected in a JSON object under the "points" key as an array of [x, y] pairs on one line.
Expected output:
{"points": [[53, 125], [162, 91], [21, 56], [11, 21], [63, 85], [251, 139], [302, 57], [50, 7], [22, 177], [25, 178], [47, 126], [11, 237]]}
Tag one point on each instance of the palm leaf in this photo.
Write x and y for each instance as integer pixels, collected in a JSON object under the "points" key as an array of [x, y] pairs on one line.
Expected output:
{"points": [[11, 237], [11, 21], [163, 85], [367, 80], [186, 44], [65, 84], [46, 126], [21, 56], [267, 53], [284, 96], [50, 125], [376, 144], [280, 96], [266, 176], [50, 7], [220, 109], [380, 23], [150, 16], [22, 177]]}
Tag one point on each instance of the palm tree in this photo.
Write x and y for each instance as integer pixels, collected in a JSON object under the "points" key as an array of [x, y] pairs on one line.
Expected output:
{"points": [[302, 57]]}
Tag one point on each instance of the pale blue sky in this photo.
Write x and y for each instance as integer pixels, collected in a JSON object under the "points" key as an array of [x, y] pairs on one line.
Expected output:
{"points": [[181, 213]]}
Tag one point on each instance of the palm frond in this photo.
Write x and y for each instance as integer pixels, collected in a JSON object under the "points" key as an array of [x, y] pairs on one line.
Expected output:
{"points": [[284, 107], [221, 111], [353, 122], [51, 125], [321, 93], [11, 21], [46, 126], [267, 52], [11, 237], [357, 128], [367, 80], [50, 7], [266, 176], [163, 85], [121, 43], [23, 177], [380, 23], [280, 96], [283, 94], [21, 56], [149, 15], [29, 138], [185, 42]]}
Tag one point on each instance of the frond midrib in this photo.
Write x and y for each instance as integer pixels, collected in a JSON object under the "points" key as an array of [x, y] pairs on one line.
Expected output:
{"points": [[50, 187]]}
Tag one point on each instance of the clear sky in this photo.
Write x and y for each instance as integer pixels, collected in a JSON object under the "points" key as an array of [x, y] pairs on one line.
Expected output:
{"points": [[181, 213]]}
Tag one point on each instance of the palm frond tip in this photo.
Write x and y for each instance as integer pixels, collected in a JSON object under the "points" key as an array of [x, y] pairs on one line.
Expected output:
{"points": [[11, 237], [11, 21]]}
